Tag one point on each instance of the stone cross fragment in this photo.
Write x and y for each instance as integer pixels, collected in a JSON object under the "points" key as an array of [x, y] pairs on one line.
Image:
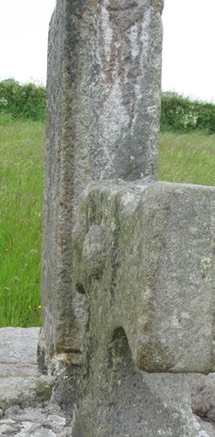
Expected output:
{"points": [[145, 258], [103, 98], [128, 265]]}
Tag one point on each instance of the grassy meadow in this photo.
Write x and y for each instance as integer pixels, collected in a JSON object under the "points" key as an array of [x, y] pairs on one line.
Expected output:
{"points": [[186, 157], [21, 186]]}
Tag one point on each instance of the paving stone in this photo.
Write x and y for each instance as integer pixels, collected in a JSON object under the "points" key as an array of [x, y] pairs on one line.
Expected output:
{"points": [[26, 409], [18, 348]]}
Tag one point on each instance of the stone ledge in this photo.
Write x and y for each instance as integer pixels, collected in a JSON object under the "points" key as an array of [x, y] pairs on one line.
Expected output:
{"points": [[18, 346]]}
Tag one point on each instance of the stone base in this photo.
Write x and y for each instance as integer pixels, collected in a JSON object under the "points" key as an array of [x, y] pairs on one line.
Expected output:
{"points": [[122, 401], [25, 414]]}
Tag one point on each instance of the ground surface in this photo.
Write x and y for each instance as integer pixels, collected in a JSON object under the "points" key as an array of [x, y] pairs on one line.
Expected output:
{"points": [[26, 405], [26, 408]]}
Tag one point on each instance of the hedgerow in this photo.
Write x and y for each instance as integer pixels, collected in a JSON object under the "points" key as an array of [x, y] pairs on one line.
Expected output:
{"points": [[181, 114], [19, 101], [178, 114]]}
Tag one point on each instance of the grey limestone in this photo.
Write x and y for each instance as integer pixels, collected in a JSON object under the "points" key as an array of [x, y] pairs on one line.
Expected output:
{"points": [[20, 381], [128, 263], [27, 408], [145, 259], [35, 421], [202, 388], [18, 351], [46, 418], [18, 345], [103, 99]]}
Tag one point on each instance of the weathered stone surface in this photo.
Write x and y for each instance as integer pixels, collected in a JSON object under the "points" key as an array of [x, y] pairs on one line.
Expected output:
{"points": [[46, 421], [20, 381], [202, 390], [25, 391], [145, 252], [18, 348], [27, 407], [138, 404], [145, 259], [162, 393], [63, 314], [203, 428], [103, 87]]}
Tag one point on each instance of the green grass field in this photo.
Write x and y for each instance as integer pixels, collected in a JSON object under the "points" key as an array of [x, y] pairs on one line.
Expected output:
{"points": [[21, 186], [187, 158], [183, 158]]}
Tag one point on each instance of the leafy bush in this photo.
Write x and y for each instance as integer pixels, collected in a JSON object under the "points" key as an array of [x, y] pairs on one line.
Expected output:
{"points": [[181, 114], [21, 101]]}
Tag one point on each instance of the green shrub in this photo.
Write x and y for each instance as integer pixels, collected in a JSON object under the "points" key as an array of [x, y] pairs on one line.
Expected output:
{"points": [[179, 114], [22, 101], [5, 118]]}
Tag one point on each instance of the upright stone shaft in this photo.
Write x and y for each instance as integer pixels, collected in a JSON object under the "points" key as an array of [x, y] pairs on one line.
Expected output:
{"points": [[103, 88], [125, 88], [142, 253]]}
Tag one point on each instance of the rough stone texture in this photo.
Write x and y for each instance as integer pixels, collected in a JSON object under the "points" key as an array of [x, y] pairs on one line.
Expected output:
{"points": [[27, 398], [145, 252], [137, 405], [63, 314], [145, 255], [20, 381], [145, 259], [18, 351], [25, 391], [103, 87], [46, 419], [203, 428], [202, 390]]}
